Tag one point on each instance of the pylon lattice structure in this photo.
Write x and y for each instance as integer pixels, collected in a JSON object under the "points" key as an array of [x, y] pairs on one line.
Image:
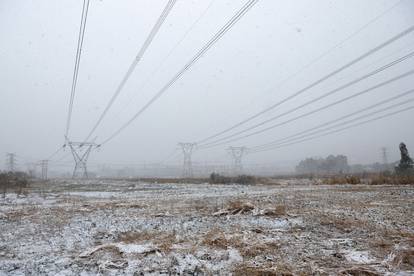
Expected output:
{"points": [[237, 154], [44, 166], [384, 155], [187, 149], [11, 162], [80, 153]]}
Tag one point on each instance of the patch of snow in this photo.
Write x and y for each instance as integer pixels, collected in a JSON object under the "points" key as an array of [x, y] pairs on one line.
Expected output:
{"points": [[135, 248], [361, 257]]}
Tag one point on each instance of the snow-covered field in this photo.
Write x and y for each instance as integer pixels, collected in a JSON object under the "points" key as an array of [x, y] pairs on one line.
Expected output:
{"points": [[68, 227]]}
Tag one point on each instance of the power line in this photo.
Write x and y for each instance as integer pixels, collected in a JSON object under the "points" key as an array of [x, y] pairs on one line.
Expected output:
{"points": [[135, 62], [329, 75], [339, 44], [229, 138], [63, 157], [168, 55], [340, 124], [342, 87], [169, 156], [278, 141], [348, 127], [77, 61], [318, 109], [249, 4], [55, 153]]}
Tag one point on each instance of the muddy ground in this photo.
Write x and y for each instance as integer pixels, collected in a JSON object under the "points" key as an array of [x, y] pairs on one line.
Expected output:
{"points": [[98, 227]]}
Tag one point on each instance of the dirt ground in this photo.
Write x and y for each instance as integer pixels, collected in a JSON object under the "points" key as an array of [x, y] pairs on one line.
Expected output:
{"points": [[98, 227]]}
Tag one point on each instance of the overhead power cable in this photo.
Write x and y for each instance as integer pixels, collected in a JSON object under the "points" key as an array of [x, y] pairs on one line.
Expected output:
{"points": [[343, 123], [135, 62], [318, 129], [239, 14], [77, 62], [55, 153], [169, 156], [329, 75], [344, 128], [336, 90], [63, 157], [318, 109], [159, 66], [307, 131], [330, 50]]}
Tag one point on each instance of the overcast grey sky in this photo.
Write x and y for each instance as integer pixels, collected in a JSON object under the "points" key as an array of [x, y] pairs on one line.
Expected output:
{"points": [[238, 77]]}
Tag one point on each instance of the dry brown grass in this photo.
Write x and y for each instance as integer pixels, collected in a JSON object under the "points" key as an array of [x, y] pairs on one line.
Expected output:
{"points": [[136, 237], [342, 180], [403, 259], [161, 180], [276, 211], [201, 206], [395, 179], [343, 224], [263, 270], [239, 207], [215, 238], [251, 251], [235, 207], [358, 271], [381, 245]]}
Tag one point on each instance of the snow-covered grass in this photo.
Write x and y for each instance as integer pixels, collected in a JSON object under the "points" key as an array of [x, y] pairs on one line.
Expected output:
{"points": [[74, 227]]}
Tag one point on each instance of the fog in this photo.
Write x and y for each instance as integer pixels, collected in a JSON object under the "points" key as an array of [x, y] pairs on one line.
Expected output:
{"points": [[276, 49]]}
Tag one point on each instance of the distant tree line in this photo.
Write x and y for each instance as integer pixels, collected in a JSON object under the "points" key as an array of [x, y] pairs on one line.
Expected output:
{"points": [[329, 165], [14, 181]]}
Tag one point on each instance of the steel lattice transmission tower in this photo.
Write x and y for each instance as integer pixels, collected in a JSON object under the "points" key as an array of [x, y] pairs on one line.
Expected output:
{"points": [[187, 149], [80, 153], [237, 153], [44, 166], [384, 155], [10, 162]]}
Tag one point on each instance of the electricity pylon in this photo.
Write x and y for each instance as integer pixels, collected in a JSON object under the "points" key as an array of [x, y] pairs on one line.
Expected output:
{"points": [[10, 162], [384, 155], [81, 152], [237, 153], [187, 149], [44, 166]]}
